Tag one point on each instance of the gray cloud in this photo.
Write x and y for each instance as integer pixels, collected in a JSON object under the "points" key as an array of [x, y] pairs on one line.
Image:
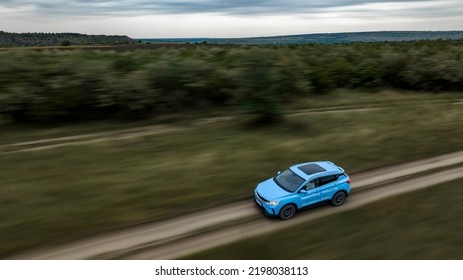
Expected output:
{"points": [[238, 18], [234, 7]]}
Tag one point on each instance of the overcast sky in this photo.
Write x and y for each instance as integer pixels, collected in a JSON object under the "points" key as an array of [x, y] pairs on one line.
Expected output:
{"points": [[226, 18]]}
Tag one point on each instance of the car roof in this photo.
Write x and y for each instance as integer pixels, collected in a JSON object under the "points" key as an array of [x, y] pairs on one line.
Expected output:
{"points": [[308, 170]]}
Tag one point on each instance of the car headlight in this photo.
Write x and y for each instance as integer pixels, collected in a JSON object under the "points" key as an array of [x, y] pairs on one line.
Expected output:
{"points": [[274, 203]]}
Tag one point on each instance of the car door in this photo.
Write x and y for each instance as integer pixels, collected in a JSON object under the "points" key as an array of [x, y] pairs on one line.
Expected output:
{"points": [[310, 194], [327, 187]]}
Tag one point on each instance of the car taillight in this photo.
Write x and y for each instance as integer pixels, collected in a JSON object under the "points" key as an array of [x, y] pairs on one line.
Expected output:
{"points": [[348, 181]]}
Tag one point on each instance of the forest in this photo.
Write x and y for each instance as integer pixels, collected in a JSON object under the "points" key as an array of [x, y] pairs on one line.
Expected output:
{"points": [[59, 86]]}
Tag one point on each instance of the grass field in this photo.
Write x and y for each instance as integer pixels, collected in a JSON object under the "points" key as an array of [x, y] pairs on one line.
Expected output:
{"points": [[340, 99], [74, 191], [383, 98], [424, 224]]}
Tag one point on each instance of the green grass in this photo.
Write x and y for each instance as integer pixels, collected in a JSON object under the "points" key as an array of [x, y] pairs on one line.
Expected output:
{"points": [[424, 224], [364, 99], [74, 191]]}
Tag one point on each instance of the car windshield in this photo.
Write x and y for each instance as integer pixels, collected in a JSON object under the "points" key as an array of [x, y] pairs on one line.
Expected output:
{"points": [[289, 181]]}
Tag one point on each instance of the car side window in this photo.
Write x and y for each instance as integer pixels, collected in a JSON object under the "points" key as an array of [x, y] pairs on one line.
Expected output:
{"points": [[328, 179]]}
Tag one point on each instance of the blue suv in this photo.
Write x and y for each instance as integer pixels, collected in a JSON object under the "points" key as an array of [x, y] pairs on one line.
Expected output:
{"points": [[300, 186]]}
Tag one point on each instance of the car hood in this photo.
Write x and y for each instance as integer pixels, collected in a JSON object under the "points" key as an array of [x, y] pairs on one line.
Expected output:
{"points": [[270, 190]]}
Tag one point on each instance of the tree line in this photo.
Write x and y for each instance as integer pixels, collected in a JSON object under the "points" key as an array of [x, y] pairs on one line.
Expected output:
{"points": [[58, 39], [66, 86]]}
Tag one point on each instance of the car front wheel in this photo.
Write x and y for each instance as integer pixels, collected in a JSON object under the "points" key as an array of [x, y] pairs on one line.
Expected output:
{"points": [[287, 212], [338, 199]]}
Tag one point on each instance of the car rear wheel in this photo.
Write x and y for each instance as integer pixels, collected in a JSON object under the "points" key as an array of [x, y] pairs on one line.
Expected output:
{"points": [[287, 212], [338, 199]]}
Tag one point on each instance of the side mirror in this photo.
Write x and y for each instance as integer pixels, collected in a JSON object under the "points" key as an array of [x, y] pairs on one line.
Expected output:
{"points": [[278, 173], [303, 191]]}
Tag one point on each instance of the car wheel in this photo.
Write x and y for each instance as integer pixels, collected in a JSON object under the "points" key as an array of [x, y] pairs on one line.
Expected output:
{"points": [[287, 212], [338, 199]]}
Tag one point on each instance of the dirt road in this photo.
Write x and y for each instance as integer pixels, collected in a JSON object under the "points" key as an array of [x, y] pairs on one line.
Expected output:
{"points": [[201, 230]]}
